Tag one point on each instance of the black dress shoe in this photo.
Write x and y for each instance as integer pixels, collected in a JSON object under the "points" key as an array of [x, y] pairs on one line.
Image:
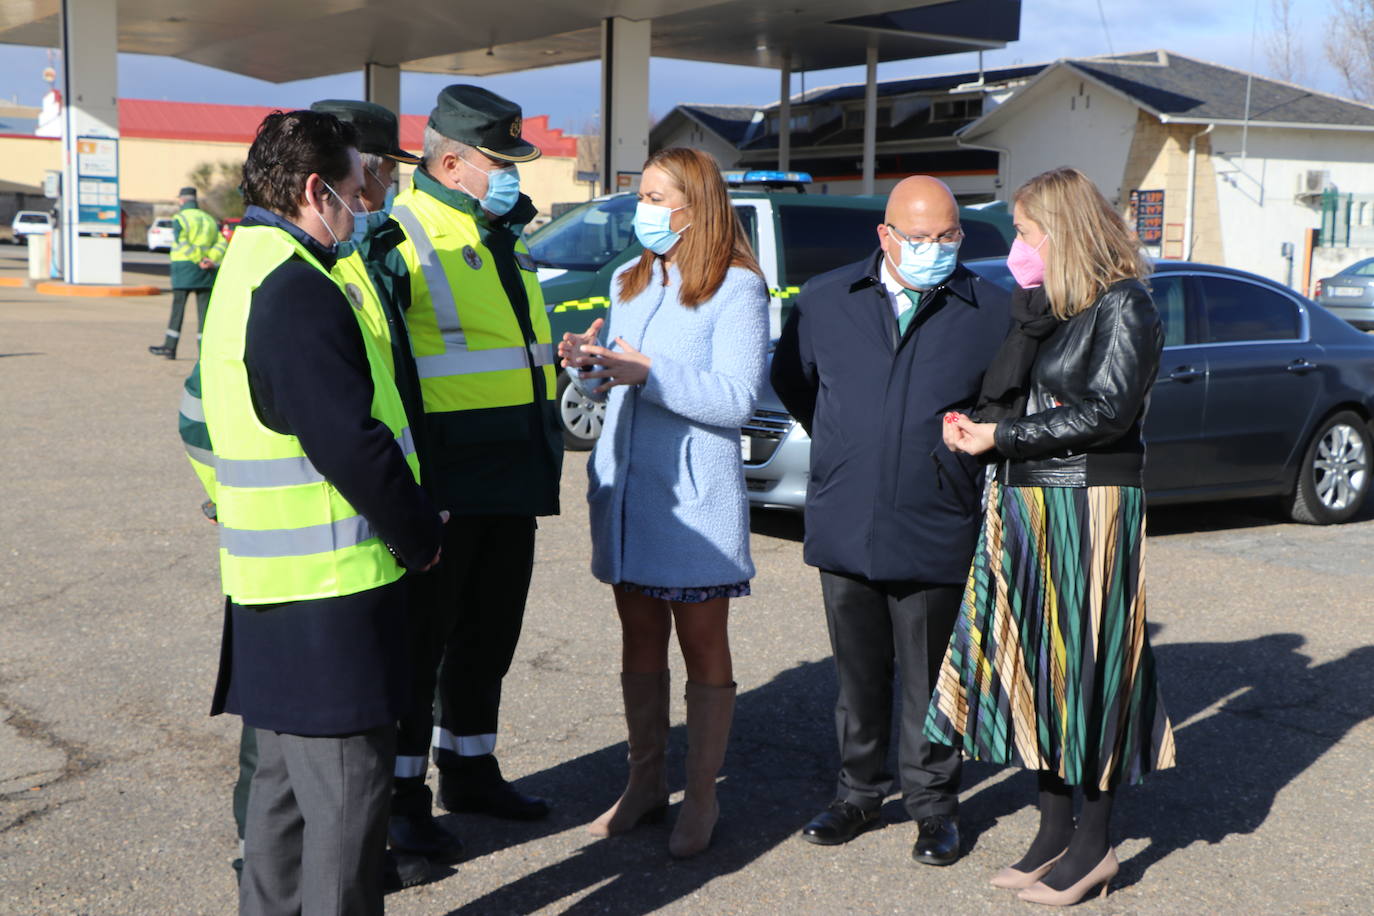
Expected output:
{"points": [[937, 842], [476, 786], [163, 351], [422, 835], [839, 823], [402, 870]]}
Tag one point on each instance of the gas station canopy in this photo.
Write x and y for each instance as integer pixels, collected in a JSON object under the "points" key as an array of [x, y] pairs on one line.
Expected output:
{"points": [[280, 40]]}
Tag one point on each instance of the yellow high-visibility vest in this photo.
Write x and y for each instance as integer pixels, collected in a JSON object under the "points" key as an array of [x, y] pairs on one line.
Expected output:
{"points": [[286, 533], [470, 351], [351, 274], [198, 237]]}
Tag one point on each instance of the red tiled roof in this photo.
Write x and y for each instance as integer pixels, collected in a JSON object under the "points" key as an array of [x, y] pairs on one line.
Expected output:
{"points": [[239, 124]]}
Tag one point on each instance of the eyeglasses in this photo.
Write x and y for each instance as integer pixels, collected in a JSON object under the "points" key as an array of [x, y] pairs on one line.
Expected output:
{"points": [[952, 237]]}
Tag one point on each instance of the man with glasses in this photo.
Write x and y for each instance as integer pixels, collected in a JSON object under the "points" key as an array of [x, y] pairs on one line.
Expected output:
{"points": [[453, 262], [892, 516]]}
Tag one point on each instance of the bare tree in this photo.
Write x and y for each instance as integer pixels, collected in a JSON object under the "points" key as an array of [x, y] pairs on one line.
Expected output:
{"points": [[1283, 45], [1349, 45], [218, 184]]}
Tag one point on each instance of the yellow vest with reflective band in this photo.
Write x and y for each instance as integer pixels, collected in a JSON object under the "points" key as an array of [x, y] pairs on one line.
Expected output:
{"points": [[198, 237], [286, 534], [469, 349], [351, 274]]}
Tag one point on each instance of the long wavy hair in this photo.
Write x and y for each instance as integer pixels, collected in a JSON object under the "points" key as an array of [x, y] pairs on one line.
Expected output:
{"points": [[714, 243], [1090, 247]]}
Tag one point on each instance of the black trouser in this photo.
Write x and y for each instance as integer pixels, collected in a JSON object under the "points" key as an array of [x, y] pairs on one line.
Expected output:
{"points": [[179, 297], [872, 625], [466, 616]]}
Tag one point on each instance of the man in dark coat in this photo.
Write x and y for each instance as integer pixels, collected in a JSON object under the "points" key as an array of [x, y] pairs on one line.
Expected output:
{"points": [[871, 358]]}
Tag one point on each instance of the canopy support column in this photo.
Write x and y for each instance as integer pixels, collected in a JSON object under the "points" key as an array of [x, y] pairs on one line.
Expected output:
{"points": [[870, 118], [624, 102], [91, 226]]}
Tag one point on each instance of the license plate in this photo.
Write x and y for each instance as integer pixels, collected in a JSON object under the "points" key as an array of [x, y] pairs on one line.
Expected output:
{"points": [[1347, 291], [746, 447]]}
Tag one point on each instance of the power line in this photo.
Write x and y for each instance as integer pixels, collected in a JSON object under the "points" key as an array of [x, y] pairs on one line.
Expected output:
{"points": [[1105, 31]]}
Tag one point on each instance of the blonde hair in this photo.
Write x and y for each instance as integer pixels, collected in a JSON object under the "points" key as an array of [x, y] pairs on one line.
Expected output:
{"points": [[715, 243], [1090, 246]]}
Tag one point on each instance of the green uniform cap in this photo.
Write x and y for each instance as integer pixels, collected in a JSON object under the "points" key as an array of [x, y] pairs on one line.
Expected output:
{"points": [[482, 119], [377, 129]]}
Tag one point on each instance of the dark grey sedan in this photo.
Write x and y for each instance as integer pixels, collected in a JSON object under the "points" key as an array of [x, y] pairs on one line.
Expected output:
{"points": [[1261, 392], [1350, 294]]}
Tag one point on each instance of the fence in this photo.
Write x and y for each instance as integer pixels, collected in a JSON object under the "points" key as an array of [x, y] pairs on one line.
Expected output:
{"points": [[1347, 220]]}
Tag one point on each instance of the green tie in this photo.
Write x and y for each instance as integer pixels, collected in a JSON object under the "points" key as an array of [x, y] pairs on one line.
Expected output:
{"points": [[905, 316]]}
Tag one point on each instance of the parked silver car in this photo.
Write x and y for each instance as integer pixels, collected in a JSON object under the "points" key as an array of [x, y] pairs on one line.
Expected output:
{"points": [[1350, 294]]}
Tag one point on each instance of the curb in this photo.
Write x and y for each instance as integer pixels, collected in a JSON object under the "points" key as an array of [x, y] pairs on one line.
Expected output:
{"points": [[14, 282], [53, 288]]}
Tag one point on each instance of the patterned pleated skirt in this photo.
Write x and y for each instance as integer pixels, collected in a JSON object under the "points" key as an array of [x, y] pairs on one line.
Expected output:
{"points": [[1050, 666]]}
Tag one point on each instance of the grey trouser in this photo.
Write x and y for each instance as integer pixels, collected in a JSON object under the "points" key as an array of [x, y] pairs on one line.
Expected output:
{"points": [[315, 837]]}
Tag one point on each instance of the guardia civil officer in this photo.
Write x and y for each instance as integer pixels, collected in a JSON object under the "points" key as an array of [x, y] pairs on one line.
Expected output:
{"points": [[197, 249], [320, 513], [453, 263]]}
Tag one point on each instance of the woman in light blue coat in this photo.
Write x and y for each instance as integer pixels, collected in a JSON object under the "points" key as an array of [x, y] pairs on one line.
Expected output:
{"points": [[669, 515]]}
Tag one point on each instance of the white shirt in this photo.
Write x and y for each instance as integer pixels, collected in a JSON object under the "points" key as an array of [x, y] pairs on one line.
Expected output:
{"points": [[896, 292]]}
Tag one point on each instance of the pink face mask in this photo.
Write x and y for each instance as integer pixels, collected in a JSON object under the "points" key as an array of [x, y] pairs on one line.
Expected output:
{"points": [[1025, 263]]}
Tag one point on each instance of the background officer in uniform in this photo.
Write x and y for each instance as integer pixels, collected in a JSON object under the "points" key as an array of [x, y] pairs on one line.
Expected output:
{"points": [[453, 263], [197, 248]]}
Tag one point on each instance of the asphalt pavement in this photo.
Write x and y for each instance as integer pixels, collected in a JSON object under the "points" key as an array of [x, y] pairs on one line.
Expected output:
{"points": [[115, 783]]}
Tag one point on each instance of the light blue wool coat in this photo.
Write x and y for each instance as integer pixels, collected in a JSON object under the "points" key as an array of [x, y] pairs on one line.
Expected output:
{"points": [[665, 484]]}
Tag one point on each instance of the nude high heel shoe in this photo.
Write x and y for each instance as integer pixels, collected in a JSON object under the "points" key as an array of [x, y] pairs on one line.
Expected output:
{"points": [[1014, 879], [1102, 874]]}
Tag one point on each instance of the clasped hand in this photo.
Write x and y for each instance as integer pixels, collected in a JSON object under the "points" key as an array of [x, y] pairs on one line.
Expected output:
{"points": [[964, 435], [626, 366]]}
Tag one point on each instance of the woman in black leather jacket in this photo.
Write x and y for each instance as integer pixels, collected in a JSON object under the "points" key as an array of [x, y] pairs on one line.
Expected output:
{"points": [[1049, 666]]}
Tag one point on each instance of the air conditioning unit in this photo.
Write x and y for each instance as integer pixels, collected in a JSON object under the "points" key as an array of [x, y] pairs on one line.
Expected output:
{"points": [[1313, 182]]}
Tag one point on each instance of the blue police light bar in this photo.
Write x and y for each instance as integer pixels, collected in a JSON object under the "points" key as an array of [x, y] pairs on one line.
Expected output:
{"points": [[760, 176]]}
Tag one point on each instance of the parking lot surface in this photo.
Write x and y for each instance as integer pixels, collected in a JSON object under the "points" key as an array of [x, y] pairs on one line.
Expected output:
{"points": [[115, 784]]}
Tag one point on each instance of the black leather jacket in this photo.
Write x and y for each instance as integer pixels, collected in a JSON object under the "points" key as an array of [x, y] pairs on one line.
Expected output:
{"points": [[1089, 389]]}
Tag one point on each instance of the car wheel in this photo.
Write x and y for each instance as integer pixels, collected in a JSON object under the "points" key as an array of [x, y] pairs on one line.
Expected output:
{"points": [[1334, 477], [579, 416]]}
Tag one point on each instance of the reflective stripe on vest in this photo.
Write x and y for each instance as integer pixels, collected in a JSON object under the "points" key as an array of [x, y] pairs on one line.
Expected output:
{"points": [[457, 359], [191, 408], [199, 236], [282, 472], [296, 542]]}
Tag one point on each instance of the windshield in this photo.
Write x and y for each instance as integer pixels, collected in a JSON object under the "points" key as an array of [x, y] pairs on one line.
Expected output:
{"points": [[33, 217], [587, 237]]}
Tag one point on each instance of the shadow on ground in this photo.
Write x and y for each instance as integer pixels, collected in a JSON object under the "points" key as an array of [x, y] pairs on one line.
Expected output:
{"points": [[1280, 713]]}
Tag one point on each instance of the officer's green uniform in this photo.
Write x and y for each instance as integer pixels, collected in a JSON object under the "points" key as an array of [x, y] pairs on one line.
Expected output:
{"points": [[196, 238], [491, 448]]}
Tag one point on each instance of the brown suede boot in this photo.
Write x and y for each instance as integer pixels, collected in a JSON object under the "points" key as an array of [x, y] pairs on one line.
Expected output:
{"points": [[709, 711], [645, 799]]}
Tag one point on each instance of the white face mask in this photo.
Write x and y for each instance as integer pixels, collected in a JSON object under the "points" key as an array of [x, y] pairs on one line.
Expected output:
{"points": [[330, 229]]}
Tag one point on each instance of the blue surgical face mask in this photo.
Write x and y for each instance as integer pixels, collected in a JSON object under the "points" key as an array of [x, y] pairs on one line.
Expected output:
{"points": [[503, 188], [368, 222], [652, 227], [927, 265], [338, 241]]}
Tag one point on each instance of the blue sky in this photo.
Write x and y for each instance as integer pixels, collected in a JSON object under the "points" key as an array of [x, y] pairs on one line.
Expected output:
{"points": [[1220, 32]]}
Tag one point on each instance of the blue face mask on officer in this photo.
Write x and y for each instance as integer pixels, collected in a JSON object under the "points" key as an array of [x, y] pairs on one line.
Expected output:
{"points": [[926, 263], [503, 188], [338, 242], [369, 221]]}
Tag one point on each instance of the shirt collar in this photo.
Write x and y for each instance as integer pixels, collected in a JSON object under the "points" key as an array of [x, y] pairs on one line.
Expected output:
{"points": [[523, 211], [258, 216], [960, 283]]}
